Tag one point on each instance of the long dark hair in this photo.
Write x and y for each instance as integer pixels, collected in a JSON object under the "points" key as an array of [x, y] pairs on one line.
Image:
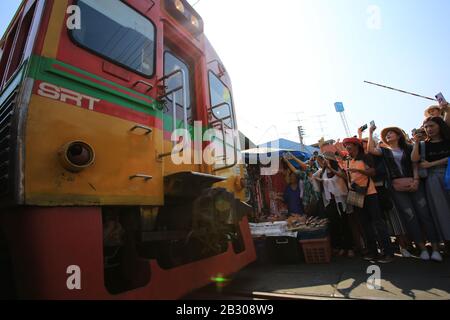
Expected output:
{"points": [[444, 129], [402, 142]]}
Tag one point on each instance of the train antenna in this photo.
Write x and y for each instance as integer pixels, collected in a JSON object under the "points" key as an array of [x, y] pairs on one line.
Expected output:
{"points": [[402, 91]]}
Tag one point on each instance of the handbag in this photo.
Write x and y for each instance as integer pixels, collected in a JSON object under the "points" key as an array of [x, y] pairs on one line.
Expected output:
{"points": [[356, 197], [423, 173], [402, 184]]}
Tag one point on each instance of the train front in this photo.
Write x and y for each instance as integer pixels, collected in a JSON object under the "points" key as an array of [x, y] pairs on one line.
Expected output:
{"points": [[120, 172]]}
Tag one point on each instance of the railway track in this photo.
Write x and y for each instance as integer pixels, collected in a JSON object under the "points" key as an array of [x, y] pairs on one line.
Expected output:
{"points": [[209, 294]]}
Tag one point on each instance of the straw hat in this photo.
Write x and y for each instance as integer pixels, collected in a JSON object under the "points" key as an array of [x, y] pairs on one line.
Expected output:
{"points": [[427, 114], [397, 130]]}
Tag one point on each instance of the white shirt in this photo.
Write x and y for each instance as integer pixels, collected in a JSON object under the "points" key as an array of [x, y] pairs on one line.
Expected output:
{"points": [[335, 186]]}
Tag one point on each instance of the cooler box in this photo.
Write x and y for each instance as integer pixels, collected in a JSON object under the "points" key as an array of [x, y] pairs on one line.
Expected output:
{"points": [[283, 250], [262, 256]]}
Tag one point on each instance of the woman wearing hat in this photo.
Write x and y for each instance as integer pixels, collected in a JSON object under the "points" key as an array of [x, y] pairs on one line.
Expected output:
{"points": [[442, 111], [334, 194], [360, 170], [437, 153], [407, 190]]}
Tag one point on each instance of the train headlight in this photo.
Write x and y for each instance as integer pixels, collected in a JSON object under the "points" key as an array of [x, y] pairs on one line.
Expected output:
{"points": [[183, 12], [195, 22], [179, 5]]}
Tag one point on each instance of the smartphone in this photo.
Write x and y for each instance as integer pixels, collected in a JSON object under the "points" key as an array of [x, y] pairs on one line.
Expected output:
{"points": [[440, 98], [372, 123], [364, 128]]}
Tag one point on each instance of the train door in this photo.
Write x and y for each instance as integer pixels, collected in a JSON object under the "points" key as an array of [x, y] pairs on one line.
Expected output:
{"points": [[180, 102], [223, 119]]}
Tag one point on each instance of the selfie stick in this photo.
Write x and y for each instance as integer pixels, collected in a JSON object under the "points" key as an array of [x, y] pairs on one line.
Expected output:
{"points": [[402, 91]]}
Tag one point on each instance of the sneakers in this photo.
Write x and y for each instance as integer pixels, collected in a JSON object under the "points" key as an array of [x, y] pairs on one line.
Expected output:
{"points": [[436, 256], [405, 253], [425, 256], [386, 259]]}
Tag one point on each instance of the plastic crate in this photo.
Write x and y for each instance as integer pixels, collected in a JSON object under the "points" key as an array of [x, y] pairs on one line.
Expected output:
{"points": [[317, 251], [313, 235]]}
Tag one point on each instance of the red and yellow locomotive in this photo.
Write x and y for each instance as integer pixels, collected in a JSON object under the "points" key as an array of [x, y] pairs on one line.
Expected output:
{"points": [[93, 204]]}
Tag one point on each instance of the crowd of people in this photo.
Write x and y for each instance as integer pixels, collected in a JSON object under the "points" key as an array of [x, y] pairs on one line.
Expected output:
{"points": [[376, 190]]}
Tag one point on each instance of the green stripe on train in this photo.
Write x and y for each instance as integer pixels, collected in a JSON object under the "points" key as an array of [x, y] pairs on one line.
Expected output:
{"points": [[42, 68]]}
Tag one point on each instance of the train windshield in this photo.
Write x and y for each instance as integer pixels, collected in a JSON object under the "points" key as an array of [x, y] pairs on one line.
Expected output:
{"points": [[118, 33], [221, 101]]}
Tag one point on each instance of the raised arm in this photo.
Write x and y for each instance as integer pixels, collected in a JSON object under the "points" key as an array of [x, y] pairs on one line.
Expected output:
{"points": [[360, 133], [302, 165], [290, 166], [371, 145]]}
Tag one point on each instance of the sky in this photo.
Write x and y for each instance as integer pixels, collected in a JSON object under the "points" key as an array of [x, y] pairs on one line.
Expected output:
{"points": [[291, 60]]}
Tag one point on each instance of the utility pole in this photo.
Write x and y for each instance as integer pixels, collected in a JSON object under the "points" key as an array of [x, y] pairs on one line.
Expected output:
{"points": [[301, 129], [301, 134]]}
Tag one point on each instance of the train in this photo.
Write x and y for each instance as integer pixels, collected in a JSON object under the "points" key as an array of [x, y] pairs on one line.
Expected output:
{"points": [[119, 164]]}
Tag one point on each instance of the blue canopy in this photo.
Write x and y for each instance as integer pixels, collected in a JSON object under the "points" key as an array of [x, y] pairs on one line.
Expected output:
{"points": [[254, 156], [284, 144]]}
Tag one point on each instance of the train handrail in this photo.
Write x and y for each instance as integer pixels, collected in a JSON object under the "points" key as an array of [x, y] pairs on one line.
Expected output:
{"points": [[183, 88], [145, 128], [174, 104], [222, 123], [145, 177], [231, 112]]}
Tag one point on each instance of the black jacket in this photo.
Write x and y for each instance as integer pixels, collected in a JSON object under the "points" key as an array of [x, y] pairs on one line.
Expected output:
{"points": [[391, 166]]}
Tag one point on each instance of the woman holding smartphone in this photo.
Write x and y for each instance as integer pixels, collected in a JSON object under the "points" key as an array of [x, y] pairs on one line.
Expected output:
{"points": [[407, 190], [437, 153], [334, 194], [360, 171]]}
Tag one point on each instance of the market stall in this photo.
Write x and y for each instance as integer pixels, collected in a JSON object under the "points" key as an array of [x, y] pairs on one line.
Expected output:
{"points": [[279, 237]]}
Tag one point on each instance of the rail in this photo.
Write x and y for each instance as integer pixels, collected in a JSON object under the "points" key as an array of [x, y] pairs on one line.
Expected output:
{"points": [[172, 93]]}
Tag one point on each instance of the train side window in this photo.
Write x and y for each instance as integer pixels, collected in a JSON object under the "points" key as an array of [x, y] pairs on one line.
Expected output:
{"points": [[171, 64], [221, 101], [117, 33]]}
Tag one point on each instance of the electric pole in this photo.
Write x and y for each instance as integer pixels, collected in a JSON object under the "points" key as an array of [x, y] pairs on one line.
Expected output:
{"points": [[301, 134]]}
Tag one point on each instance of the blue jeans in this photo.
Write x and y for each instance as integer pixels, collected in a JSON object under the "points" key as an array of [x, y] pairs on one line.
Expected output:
{"points": [[371, 221], [414, 211]]}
